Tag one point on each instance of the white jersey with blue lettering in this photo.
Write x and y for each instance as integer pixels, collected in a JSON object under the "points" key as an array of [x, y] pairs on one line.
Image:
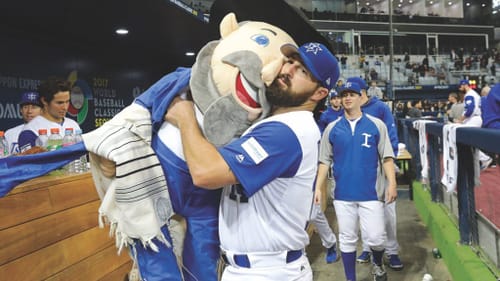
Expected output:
{"points": [[11, 136], [275, 162], [29, 134]]}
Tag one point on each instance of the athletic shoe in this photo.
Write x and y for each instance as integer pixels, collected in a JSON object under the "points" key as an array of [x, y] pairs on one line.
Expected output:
{"points": [[364, 257], [331, 254], [379, 273], [486, 164], [395, 263]]}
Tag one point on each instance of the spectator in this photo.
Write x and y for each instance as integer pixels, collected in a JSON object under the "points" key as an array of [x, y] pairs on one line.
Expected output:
{"points": [[374, 91], [30, 107], [343, 61], [456, 107], [415, 110]]}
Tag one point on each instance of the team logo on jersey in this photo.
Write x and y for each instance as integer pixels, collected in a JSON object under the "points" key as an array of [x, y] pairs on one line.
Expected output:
{"points": [[240, 158], [365, 144], [254, 150]]}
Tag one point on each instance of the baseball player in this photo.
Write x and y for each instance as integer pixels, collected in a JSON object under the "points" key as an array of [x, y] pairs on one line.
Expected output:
{"points": [[354, 145], [375, 107], [332, 112], [55, 98], [30, 107], [472, 115], [268, 172]]}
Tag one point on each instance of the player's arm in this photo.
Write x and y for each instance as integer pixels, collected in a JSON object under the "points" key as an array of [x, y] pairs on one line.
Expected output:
{"points": [[206, 166], [321, 178], [391, 191], [469, 106]]}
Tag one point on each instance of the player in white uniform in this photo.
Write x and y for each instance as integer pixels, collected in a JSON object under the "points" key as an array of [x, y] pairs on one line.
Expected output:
{"points": [[30, 107], [358, 150], [55, 98], [269, 171], [472, 115]]}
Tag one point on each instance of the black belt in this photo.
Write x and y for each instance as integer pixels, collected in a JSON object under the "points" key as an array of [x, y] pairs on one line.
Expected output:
{"points": [[242, 260]]}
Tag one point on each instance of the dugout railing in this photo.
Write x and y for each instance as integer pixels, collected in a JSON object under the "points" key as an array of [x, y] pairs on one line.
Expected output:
{"points": [[474, 228]]}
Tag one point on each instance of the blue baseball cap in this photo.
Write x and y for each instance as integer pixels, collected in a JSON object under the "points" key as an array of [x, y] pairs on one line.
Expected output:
{"points": [[358, 80], [464, 82], [30, 98], [333, 93], [350, 87], [319, 61]]}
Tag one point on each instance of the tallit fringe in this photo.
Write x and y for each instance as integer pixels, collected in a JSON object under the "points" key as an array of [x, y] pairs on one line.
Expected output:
{"points": [[122, 240]]}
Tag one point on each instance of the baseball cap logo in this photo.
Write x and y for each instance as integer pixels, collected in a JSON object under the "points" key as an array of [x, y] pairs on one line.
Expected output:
{"points": [[328, 81], [348, 85], [32, 97], [313, 47]]}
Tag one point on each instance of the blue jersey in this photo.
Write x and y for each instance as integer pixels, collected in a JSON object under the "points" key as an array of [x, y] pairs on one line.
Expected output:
{"points": [[379, 109], [490, 108], [328, 116], [356, 157], [198, 206]]}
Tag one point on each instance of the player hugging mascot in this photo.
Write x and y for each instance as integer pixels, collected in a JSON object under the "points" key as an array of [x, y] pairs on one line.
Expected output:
{"points": [[138, 165]]}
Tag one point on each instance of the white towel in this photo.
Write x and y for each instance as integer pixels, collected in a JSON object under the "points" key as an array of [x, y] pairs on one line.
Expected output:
{"points": [[422, 139], [450, 156], [136, 202]]}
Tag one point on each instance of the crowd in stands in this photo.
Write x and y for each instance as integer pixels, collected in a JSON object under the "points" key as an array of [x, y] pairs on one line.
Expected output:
{"points": [[424, 69]]}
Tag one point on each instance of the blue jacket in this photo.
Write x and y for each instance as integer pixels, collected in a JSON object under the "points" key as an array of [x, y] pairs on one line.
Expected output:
{"points": [[490, 108], [379, 109]]}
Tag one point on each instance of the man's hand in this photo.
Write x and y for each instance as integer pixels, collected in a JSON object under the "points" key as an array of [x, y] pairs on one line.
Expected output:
{"points": [[179, 110], [107, 166], [318, 195], [391, 194]]}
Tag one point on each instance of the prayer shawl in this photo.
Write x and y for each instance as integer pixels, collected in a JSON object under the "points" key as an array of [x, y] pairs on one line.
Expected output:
{"points": [[136, 202], [422, 140]]}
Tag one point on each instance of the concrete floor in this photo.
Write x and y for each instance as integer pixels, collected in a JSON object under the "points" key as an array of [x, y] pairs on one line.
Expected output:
{"points": [[415, 250]]}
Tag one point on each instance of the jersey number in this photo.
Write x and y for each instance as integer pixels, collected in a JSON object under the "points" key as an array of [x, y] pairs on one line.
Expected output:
{"points": [[237, 194]]}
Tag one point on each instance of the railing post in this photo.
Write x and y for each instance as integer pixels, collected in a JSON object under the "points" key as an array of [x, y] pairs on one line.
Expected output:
{"points": [[467, 220], [434, 167]]}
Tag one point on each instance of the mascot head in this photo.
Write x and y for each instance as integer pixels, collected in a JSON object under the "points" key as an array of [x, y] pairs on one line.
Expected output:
{"points": [[229, 78]]}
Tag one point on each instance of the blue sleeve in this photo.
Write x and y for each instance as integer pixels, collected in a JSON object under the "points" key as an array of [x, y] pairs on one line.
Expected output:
{"points": [[26, 139], [158, 97], [391, 129], [469, 106], [271, 150], [322, 122]]}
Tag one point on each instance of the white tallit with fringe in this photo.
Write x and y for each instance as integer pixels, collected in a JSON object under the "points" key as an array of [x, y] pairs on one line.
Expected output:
{"points": [[136, 202]]}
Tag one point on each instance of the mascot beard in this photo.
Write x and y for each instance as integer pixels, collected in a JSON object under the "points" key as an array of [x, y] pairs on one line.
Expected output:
{"points": [[151, 181]]}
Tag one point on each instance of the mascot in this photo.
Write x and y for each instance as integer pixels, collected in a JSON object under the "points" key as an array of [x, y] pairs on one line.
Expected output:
{"points": [[137, 162]]}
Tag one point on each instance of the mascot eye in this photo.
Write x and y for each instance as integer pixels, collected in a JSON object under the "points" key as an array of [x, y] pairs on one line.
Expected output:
{"points": [[261, 39]]}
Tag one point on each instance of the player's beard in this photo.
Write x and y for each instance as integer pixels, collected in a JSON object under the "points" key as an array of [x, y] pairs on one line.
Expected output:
{"points": [[279, 97]]}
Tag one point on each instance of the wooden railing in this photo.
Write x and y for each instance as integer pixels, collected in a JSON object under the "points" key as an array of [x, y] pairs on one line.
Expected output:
{"points": [[49, 231]]}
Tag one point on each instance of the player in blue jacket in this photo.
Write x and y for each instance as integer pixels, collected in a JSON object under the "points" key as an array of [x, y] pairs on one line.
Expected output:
{"points": [[332, 112], [377, 108], [354, 145], [490, 108]]}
